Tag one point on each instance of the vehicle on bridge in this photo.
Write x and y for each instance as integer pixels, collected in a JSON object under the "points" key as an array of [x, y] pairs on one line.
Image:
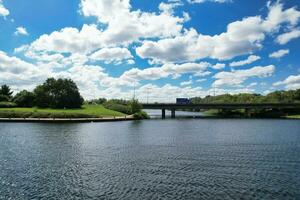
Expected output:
{"points": [[183, 101]]}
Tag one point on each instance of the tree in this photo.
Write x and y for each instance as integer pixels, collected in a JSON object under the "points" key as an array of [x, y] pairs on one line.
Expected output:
{"points": [[60, 93], [4, 98], [6, 91], [101, 100], [135, 106], [25, 99]]}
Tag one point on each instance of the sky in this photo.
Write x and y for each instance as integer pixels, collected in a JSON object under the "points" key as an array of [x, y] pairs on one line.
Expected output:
{"points": [[156, 50]]}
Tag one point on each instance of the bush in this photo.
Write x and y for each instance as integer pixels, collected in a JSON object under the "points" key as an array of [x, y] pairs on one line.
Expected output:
{"points": [[135, 106], [24, 99], [4, 97], [141, 115], [117, 107], [126, 107], [15, 114], [7, 105]]}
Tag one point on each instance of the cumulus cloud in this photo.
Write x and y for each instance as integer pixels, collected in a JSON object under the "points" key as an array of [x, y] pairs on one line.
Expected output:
{"points": [[242, 37], [279, 53], [70, 40], [3, 11], [21, 31], [185, 83], [135, 24], [174, 70], [218, 66], [16, 72], [203, 1], [159, 36], [249, 60], [286, 37], [236, 78], [170, 6], [110, 55], [290, 83]]}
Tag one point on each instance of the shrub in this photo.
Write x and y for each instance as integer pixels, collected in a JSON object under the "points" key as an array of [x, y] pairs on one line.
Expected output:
{"points": [[24, 99], [141, 115], [117, 107], [135, 106], [7, 105], [4, 97]]}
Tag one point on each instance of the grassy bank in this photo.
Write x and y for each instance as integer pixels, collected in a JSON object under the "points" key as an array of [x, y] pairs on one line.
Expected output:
{"points": [[240, 113], [293, 116], [87, 111]]}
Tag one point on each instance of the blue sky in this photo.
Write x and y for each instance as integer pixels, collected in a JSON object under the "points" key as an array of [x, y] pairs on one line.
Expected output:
{"points": [[164, 49]]}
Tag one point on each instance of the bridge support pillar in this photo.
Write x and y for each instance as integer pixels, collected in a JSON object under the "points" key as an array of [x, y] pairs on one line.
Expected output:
{"points": [[172, 113], [163, 113]]}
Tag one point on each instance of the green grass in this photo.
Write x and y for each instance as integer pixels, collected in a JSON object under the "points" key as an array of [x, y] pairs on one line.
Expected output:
{"points": [[85, 112], [211, 113], [293, 116]]}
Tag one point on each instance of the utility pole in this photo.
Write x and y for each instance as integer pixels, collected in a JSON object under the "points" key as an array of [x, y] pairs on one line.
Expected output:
{"points": [[214, 91], [134, 91], [147, 95]]}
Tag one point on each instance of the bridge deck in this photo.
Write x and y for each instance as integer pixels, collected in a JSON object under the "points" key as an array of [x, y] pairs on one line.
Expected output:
{"points": [[223, 106]]}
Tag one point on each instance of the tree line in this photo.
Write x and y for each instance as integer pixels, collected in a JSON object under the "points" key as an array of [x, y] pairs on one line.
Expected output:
{"points": [[64, 93], [53, 93], [290, 96]]}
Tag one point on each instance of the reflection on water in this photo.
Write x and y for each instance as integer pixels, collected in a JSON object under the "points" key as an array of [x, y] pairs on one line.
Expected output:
{"points": [[155, 159]]}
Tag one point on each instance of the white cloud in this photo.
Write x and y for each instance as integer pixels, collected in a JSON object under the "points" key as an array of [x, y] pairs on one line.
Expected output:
{"points": [[135, 24], [290, 83], [112, 55], [105, 10], [203, 1], [252, 85], [236, 78], [155, 73], [185, 83], [16, 72], [218, 66], [249, 60], [286, 37], [242, 37], [21, 31], [279, 53], [70, 40], [170, 6], [3, 11]]}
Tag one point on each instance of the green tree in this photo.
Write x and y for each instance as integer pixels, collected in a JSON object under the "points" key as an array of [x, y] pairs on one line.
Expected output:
{"points": [[60, 93], [6, 91], [25, 99], [135, 106], [4, 98]]}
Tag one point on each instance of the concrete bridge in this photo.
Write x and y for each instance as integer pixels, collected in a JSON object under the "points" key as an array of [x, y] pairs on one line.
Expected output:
{"points": [[229, 106]]}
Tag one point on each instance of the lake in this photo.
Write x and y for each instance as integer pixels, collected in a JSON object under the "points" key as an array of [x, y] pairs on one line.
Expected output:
{"points": [[153, 159]]}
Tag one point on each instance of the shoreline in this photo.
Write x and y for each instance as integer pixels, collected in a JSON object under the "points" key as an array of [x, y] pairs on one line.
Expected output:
{"points": [[68, 120], [125, 118]]}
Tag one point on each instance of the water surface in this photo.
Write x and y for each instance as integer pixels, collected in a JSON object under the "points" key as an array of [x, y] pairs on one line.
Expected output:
{"points": [[155, 159]]}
